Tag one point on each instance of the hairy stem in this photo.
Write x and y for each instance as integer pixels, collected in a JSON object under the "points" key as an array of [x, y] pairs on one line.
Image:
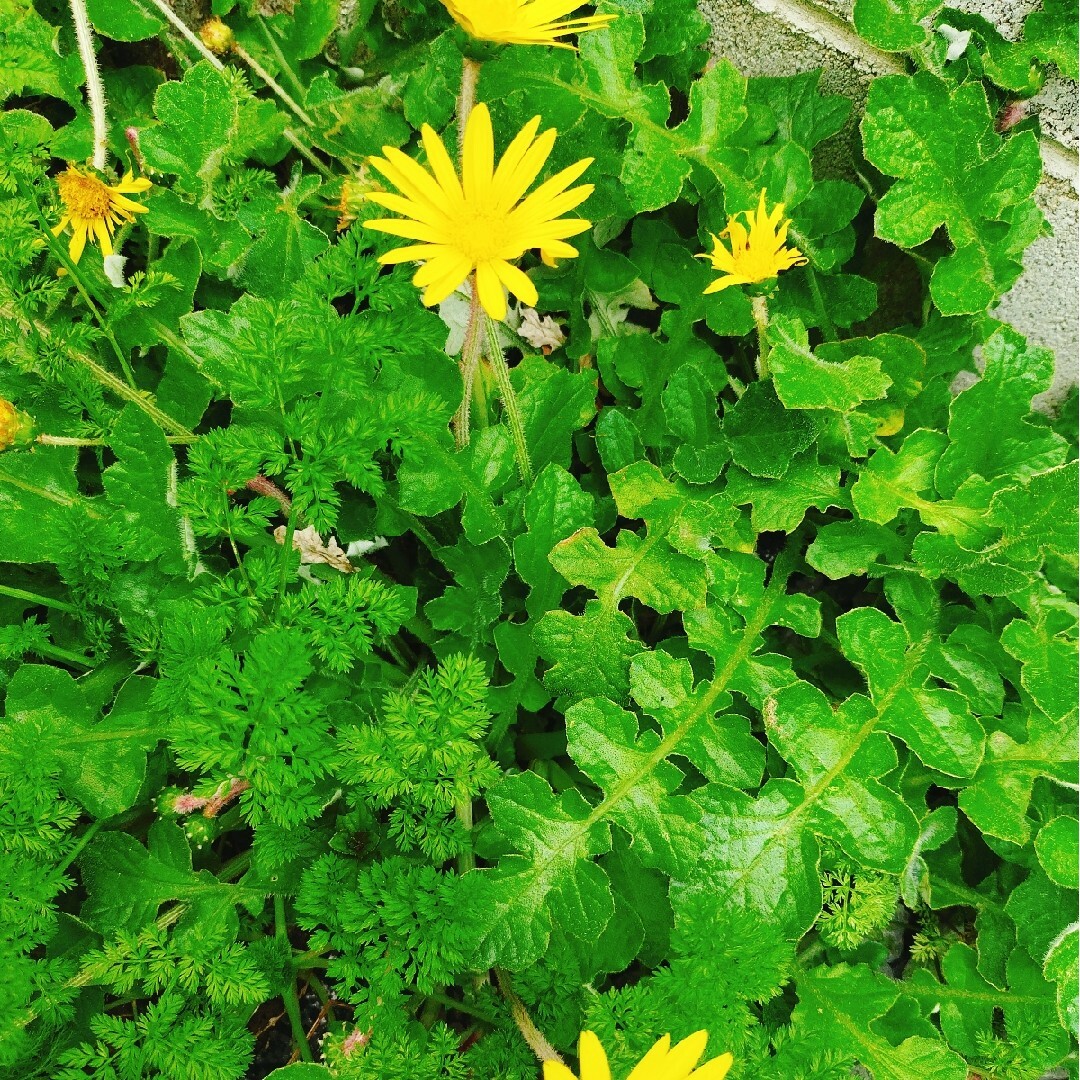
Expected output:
{"points": [[509, 398], [95, 88], [289, 102], [279, 56], [470, 363], [529, 1031], [68, 440], [470, 76], [761, 320]]}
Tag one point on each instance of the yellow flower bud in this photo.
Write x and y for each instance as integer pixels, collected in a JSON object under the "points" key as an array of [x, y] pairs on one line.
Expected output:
{"points": [[216, 36], [16, 428]]}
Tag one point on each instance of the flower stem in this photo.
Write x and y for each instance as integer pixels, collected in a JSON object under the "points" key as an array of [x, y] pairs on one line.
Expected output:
{"points": [[292, 1002], [470, 76], [761, 320], [470, 363], [279, 56], [509, 398], [273, 84], [194, 41], [828, 327], [95, 89], [529, 1031], [68, 440], [35, 598]]}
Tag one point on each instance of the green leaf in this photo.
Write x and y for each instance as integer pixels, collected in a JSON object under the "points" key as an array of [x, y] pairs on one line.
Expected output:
{"points": [[551, 886], [125, 20], [839, 757], [851, 548], [286, 245], [590, 653], [1063, 968], [555, 508], [763, 435], [206, 119], [1052, 32], [126, 884], [936, 724], [837, 1010], [1058, 848], [958, 174], [891, 481], [1036, 518], [894, 25], [757, 858], [1010, 446], [780, 505], [39, 488], [663, 569], [101, 763], [806, 379], [29, 58], [607, 745], [141, 487]]}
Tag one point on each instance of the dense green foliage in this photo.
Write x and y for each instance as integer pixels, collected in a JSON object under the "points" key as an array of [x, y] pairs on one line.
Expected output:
{"points": [[754, 710]]}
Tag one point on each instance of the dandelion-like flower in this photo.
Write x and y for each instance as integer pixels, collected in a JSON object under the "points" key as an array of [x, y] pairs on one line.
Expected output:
{"points": [[753, 254], [93, 209], [662, 1062], [522, 22], [479, 223]]}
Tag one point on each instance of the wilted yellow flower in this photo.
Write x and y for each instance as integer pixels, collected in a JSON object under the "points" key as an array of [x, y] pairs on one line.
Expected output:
{"points": [[93, 209], [477, 223], [662, 1062], [522, 22], [216, 35], [754, 254], [16, 427]]}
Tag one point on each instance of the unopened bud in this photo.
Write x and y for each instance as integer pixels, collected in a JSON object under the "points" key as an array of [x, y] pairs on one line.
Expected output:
{"points": [[216, 36], [16, 428]]}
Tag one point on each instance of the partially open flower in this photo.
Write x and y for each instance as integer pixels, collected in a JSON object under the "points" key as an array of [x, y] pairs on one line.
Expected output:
{"points": [[755, 251], [93, 209], [16, 428]]}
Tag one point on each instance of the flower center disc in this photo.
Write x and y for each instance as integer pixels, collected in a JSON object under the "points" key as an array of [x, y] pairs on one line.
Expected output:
{"points": [[83, 196]]}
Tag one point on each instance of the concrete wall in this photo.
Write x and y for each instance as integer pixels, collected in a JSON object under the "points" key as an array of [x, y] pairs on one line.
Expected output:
{"points": [[782, 37]]}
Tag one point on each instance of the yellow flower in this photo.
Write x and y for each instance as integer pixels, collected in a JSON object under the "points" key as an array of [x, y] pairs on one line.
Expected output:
{"points": [[756, 254], [662, 1062], [522, 22], [93, 209], [477, 223]]}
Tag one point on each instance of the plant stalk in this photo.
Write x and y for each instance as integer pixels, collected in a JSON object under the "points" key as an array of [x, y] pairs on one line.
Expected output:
{"points": [[529, 1031], [470, 364], [761, 320], [509, 398], [95, 88]]}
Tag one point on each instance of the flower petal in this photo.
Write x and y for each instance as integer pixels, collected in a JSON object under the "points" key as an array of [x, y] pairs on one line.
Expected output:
{"points": [[490, 291], [518, 282], [594, 1062]]}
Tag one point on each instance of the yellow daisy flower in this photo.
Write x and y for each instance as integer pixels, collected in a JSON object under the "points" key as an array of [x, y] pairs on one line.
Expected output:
{"points": [[93, 209], [477, 223], [756, 254], [522, 22], [662, 1062]]}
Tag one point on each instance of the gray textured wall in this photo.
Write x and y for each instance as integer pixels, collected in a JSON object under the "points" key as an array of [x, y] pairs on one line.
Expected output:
{"points": [[782, 37]]}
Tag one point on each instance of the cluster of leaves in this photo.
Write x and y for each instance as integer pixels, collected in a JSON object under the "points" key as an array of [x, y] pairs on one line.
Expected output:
{"points": [[754, 711]]}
